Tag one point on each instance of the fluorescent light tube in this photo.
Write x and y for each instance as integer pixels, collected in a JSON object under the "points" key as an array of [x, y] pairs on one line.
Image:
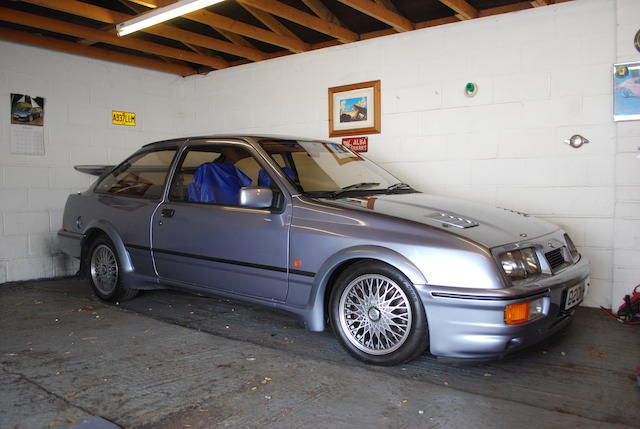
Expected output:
{"points": [[161, 14]]}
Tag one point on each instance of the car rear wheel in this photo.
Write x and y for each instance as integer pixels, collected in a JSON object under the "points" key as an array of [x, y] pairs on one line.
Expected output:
{"points": [[626, 92], [104, 272], [377, 314]]}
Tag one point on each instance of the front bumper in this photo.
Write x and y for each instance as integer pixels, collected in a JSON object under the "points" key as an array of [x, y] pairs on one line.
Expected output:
{"points": [[467, 323]]}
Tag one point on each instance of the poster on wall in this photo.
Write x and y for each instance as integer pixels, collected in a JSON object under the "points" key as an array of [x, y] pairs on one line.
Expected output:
{"points": [[27, 120], [626, 77], [354, 109]]}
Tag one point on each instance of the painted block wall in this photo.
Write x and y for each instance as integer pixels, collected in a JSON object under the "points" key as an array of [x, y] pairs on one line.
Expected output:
{"points": [[544, 74], [79, 96], [626, 269]]}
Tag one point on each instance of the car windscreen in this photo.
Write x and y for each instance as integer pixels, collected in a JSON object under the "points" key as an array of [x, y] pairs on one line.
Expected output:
{"points": [[331, 169]]}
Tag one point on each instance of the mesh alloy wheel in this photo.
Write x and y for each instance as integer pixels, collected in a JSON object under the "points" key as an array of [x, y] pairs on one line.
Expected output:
{"points": [[375, 314]]}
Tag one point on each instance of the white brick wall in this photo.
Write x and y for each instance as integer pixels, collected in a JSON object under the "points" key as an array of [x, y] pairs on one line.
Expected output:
{"points": [[626, 253], [80, 94], [543, 75]]}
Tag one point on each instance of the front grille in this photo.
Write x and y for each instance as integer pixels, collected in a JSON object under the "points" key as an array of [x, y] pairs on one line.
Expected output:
{"points": [[555, 258]]}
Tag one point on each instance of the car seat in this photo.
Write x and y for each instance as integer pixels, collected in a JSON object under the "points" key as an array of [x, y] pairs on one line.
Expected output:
{"points": [[216, 182], [265, 181]]}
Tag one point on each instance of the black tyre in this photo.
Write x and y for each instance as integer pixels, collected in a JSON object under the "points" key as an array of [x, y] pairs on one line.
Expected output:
{"points": [[104, 274], [377, 314]]}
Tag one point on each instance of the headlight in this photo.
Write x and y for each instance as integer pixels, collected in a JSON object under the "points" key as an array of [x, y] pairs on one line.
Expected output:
{"points": [[575, 255], [520, 264]]}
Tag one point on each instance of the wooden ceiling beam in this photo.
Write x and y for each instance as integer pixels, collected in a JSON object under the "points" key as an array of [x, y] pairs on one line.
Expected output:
{"points": [[462, 8], [381, 13], [539, 3], [43, 23], [513, 7], [108, 16], [221, 22], [93, 52], [323, 12], [235, 38], [292, 14], [270, 21]]}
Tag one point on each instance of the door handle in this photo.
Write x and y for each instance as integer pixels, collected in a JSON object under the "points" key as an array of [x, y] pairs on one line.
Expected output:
{"points": [[167, 212]]}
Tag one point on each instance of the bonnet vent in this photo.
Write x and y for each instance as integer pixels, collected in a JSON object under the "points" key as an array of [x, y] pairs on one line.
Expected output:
{"points": [[453, 220]]}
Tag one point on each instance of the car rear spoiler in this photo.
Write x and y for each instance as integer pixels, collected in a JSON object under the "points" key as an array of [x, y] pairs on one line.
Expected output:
{"points": [[94, 170]]}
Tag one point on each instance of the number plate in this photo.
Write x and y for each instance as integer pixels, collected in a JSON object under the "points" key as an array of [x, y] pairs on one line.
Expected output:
{"points": [[574, 296]]}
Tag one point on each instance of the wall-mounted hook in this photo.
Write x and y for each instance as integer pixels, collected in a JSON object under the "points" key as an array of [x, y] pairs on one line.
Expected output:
{"points": [[576, 141]]}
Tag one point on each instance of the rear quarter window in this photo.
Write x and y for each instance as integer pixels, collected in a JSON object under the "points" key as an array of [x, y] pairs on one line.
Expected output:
{"points": [[143, 175]]}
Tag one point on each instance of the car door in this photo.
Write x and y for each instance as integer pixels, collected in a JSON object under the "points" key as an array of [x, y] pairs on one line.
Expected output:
{"points": [[127, 197], [202, 237]]}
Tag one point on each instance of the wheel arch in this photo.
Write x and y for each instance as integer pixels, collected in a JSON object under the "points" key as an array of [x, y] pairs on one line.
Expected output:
{"points": [[102, 227], [338, 262]]}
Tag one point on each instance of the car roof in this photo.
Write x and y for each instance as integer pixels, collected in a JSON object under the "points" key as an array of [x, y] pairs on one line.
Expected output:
{"points": [[245, 137]]}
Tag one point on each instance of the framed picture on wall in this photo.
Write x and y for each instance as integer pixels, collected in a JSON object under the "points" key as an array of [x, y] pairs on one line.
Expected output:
{"points": [[354, 109], [626, 91]]}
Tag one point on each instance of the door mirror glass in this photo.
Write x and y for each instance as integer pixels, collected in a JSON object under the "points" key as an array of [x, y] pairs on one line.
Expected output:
{"points": [[256, 197]]}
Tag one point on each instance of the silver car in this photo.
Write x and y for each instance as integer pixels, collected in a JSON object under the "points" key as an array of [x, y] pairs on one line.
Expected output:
{"points": [[315, 229]]}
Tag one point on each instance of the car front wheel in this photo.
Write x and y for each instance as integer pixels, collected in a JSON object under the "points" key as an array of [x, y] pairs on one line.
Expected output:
{"points": [[104, 272], [377, 314]]}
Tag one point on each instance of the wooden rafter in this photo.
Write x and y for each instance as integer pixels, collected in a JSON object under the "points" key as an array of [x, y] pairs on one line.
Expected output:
{"points": [[83, 32], [221, 22], [270, 21], [292, 14], [462, 8], [389, 5], [109, 16], [513, 7], [91, 51], [381, 13], [323, 12], [539, 3]]}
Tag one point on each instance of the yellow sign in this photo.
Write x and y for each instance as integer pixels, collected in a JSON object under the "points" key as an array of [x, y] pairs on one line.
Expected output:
{"points": [[123, 118]]}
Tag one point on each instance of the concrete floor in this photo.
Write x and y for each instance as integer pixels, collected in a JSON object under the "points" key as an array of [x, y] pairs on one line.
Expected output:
{"points": [[173, 360]]}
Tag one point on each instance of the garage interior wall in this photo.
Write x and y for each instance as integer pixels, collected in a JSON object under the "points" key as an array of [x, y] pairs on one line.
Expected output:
{"points": [[79, 96], [544, 74]]}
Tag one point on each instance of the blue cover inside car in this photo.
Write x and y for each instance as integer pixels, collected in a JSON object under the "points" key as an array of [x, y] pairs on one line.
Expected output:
{"points": [[215, 182], [265, 180]]}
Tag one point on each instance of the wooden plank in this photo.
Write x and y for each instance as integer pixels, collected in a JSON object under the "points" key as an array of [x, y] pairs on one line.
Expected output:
{"points": [[462, 8], [93, 52], [436, 22], [513, 7], [108, 16], [270, 21], [221, 22], [75, 30], [389, 5], [539, 3], [381, 13], [235, 38], [322, 11], [299, 17]]}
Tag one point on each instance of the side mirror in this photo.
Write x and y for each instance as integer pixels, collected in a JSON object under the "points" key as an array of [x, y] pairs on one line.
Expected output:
{"points": [[256, 198]]}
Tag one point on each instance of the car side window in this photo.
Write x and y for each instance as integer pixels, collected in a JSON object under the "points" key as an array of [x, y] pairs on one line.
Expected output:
{"points": [[215, 174], [143, 175]]}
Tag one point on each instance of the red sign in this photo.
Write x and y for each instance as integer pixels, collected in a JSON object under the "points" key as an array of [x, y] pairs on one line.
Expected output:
{"points": [[356, 144]]}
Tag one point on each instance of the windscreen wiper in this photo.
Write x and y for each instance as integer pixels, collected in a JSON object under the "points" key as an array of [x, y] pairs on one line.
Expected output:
{"points": [[355, 186], [399, 186]]}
